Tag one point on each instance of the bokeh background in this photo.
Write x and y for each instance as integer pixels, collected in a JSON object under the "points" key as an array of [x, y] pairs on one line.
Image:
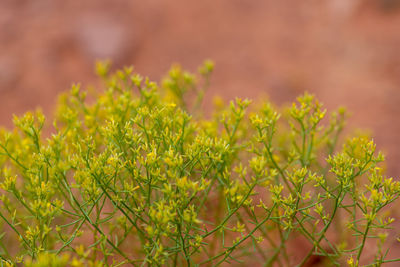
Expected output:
{"points": [[347, 52]]}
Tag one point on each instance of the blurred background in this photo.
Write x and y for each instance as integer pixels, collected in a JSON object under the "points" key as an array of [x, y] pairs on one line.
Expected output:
{"points": [[347, 52]]}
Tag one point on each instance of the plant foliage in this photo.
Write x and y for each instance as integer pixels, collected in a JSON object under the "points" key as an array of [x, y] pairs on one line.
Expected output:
{"points": [[136, 175]]}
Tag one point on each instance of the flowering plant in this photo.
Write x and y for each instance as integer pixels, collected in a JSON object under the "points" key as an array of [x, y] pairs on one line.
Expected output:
{"points": [[136, 175]]}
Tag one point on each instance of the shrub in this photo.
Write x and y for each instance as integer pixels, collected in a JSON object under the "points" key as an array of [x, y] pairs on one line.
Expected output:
{"points": [[136, 175]]}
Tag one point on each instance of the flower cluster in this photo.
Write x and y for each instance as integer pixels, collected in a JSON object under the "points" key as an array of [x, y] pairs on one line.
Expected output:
{"points": [[136, 175]]}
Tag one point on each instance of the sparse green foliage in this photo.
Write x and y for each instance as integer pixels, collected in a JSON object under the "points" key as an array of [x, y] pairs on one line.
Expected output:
{"points": [[136, 175]]}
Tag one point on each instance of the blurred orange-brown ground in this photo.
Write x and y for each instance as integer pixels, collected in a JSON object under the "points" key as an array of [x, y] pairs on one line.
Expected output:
{"points": [[347, 52]]}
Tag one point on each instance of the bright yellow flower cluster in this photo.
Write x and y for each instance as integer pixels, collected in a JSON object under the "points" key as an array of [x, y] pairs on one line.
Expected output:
{"points": [[136, 175]]}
